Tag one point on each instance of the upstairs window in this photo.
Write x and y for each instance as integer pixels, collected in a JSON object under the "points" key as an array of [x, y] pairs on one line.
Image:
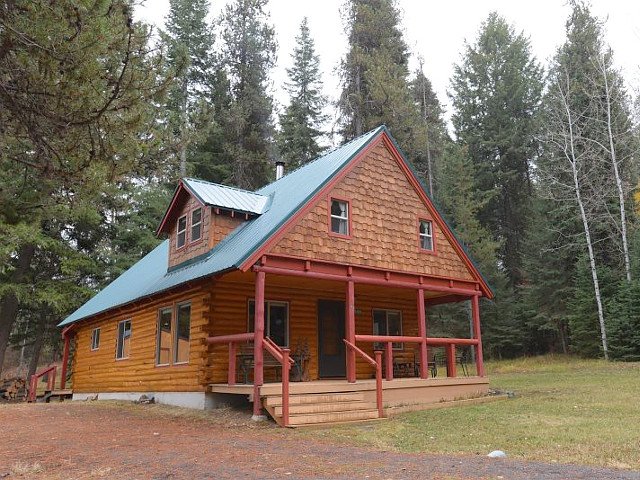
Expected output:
{"points": [[181, 238], [196, 224], [123, 344], [339, 217], [95, 339], [426, 235]]}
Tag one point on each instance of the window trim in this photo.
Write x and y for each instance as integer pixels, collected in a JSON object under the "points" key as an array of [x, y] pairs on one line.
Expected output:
{"points": [[186, 228], [173, 308], [349, 215], [386, 313], [201, 223], [433, 235], [267, 322], [174, 341], [161, 310], [95, 345], [118, 338]]}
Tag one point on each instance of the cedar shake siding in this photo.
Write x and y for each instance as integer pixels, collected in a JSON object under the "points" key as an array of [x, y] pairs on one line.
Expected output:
{"points": [[384, 211]]}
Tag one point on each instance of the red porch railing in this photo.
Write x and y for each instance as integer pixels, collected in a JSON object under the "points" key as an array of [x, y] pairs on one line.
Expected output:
{"points": [[376, 363], [51, 380], [448, 343], [280, 354]]}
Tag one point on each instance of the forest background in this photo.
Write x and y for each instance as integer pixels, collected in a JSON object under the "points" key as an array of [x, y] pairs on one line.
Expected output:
{"points": [[536, 168]]}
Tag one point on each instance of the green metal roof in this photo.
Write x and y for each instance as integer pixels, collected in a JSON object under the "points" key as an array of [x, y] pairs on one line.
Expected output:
{"points": [[288, 194]]}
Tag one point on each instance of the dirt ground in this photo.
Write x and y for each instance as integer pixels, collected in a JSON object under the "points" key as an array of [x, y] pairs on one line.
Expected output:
{"points": [[96, 440]]}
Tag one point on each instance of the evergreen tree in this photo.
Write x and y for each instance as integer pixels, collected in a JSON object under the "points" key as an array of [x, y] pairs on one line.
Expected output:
{"points": [[431, 135], [302, 119], [248, 52], [375, 87], [496, 92], [91, 120], [189, 40]]}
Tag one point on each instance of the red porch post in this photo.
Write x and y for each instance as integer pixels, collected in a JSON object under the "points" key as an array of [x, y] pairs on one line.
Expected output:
{"points": [[388, 358], [351, 331], [450, 350], [475, 311], [258, 363], [66, 336], [422, 333]]}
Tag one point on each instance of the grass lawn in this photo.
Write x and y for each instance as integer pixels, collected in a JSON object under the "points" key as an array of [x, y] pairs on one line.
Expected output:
{"points": [[566, 410]]}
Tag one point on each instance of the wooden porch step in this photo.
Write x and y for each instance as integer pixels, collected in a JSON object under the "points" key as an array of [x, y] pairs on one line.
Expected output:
{"points": [[276, 400], [332, 417], [310, 408]]}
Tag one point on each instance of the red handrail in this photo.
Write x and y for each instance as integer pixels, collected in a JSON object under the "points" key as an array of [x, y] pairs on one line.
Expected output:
{"points": [[378, 364], [282, 355], [51, 380]]}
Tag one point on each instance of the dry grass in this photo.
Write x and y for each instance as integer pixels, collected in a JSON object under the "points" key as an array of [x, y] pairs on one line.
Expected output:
{"points": [[26, 468], [566, 410]]}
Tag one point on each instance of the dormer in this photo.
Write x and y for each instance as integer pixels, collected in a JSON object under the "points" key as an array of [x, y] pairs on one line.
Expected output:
{"points": [[201, 214]]}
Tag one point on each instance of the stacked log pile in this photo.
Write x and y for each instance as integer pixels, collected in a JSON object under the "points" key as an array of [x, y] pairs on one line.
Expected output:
{"points": [[13, 389]]}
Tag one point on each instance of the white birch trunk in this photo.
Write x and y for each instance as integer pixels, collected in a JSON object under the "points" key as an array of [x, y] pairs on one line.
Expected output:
{"points": [[571, 157], [616, 172]]}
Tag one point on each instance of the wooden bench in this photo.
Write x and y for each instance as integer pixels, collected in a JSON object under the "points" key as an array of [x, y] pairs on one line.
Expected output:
{"points": [[246, 363]]}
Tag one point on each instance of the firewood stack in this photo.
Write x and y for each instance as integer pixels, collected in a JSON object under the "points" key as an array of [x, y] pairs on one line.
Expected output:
{"points": [[13, 389]]}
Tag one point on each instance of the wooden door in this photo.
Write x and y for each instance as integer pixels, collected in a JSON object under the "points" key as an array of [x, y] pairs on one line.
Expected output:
{"points": [[331, 347]]}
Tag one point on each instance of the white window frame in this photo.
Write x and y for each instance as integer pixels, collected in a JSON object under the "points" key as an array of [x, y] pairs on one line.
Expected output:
{"points": [[184, 231], [425, 235], [193, 225], [387, 311], [267, 318], [120, 341], [340, 218], [95, 339]]}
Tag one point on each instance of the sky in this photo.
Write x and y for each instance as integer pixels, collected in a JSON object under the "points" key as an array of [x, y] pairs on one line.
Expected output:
{"points": [[437, 31]]}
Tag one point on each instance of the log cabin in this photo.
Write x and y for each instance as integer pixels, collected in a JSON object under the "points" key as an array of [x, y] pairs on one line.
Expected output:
{"points": [[308, 297]]}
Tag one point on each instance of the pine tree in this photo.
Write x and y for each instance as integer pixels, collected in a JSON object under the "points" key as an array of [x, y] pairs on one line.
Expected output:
{"points": [[496, 92], [248, 52], [302, 120], [189, 40], [375, 87]]}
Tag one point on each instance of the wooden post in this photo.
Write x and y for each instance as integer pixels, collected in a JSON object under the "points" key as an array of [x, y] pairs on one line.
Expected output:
{"points": [[258, 358], [475, 311], [422, 332], [66, 336], [351, 331], [231, 375], [285, 386], [451, 359], [378, 354], [388, 355]]}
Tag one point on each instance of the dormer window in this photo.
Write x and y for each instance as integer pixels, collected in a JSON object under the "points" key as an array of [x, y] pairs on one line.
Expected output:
{"points": [[181, 239], [426, 235], [339, 217], [196, 224]]}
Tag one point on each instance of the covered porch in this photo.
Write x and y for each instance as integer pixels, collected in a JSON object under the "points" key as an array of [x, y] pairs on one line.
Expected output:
{"points": [[357, 353]]}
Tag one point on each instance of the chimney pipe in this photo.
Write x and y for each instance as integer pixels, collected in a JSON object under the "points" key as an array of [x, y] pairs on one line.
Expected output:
{"points": [[279, 169]]}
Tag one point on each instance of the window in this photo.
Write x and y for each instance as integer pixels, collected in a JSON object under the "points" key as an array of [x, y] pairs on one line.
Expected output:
{"points": [[95, 339], [182, 232], [124, 339], [183, 329], [426, 235], [172, 344], [163, 353], [339, 217], [196, 224], [276, 321], [387, 322]]}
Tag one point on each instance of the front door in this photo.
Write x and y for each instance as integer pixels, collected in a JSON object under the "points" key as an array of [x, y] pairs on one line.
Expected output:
{"points": [[331, 348]]}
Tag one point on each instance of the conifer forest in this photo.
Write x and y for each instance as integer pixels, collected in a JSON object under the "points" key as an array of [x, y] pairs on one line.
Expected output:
{"points": [[536, 168]]}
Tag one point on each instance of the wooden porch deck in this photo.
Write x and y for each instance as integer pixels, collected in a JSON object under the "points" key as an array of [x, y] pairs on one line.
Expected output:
{"points": [[331, 401]]}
